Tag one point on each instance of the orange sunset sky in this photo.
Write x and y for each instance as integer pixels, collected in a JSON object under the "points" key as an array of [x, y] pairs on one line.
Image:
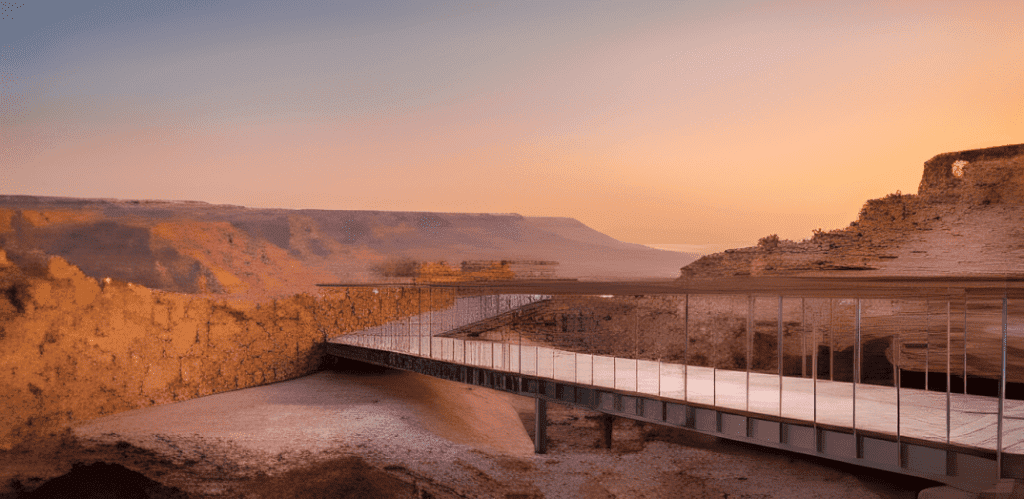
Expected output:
{"points": [[689, 122]]}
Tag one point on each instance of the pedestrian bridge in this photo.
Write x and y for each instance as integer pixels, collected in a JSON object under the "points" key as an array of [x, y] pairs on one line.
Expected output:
{"points": [[803, 365]]}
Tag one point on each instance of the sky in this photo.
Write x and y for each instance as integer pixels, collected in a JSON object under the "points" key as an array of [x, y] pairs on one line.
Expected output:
{"points": [[674, 122]]}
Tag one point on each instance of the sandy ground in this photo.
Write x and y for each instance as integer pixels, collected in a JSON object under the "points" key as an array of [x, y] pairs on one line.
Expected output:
{"points": [[386, 433]]}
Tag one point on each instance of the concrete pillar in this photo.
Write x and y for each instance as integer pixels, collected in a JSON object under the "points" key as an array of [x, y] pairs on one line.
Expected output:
{"points": [[540, 434], [607, 420]]}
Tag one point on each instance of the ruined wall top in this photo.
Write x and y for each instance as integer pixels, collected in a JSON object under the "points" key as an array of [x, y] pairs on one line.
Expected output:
{"points": [[977, 176]]}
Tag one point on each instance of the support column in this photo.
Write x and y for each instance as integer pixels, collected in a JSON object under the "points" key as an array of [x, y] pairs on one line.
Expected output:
{"points": [[607, 420], [540, 433]]}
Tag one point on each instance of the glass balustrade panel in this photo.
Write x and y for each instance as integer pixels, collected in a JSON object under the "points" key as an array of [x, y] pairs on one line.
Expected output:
{"points": [[1013, 409], [876, 389], [700, 348], [763, 357]]}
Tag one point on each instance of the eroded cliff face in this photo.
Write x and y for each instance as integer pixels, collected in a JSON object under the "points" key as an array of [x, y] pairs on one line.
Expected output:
{"points": [[73, 348], [965, 220]]}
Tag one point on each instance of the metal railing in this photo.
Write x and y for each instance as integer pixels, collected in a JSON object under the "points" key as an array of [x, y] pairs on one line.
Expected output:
{"points": [[926, 365]]}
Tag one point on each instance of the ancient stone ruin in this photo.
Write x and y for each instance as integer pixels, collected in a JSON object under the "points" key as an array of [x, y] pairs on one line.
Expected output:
{"points": [[966, 219]]}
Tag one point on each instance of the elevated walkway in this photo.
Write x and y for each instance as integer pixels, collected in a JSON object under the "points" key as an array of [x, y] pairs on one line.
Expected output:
{"points": [[968, 441]]}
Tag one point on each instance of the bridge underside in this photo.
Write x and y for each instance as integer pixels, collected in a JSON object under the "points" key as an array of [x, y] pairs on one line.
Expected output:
{"points": [[963, 467]]}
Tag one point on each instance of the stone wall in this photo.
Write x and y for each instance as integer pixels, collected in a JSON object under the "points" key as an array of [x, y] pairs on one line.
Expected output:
{"points": [[981, 169], [74, 348]]}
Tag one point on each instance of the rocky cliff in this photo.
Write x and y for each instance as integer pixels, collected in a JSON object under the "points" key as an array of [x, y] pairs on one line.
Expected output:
{"points": [[966, 219], [109, 305], [73, 347]]}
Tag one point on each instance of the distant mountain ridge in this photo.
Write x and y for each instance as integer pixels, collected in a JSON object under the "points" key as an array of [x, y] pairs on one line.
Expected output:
{"points": [[190, 246]]}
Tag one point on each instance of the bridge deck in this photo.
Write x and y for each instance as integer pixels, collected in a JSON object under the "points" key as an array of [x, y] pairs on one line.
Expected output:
{"points": [[920, 414], [954, 424]]}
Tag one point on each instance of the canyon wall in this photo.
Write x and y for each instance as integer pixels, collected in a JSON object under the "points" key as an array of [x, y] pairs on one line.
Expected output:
{"points": [[73, 348]]}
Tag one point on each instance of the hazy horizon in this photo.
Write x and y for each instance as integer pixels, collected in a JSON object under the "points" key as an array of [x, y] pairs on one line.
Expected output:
{"points": [[691, 124]]}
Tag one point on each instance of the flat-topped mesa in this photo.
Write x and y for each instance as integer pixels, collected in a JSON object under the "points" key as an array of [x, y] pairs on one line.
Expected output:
{"points": [[965, 220]]}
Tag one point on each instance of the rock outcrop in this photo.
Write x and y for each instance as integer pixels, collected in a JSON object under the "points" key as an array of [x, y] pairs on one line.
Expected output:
{"points": [[966, 219], [110, 305], [73, 348]]}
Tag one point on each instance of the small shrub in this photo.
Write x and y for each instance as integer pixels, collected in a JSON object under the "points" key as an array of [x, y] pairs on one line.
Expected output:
{"points": [[768, 243]]}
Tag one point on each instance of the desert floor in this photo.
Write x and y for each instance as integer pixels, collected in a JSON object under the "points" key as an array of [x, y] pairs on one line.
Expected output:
{"points": [[369, 432]]}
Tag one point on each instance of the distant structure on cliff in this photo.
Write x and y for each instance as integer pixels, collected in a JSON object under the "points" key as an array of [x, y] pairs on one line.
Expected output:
{"points": [[966, 219]]}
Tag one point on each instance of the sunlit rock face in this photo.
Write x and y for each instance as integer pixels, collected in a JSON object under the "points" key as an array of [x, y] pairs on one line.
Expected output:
{"points": [[978, 177], [109, 305], [965, 220], [73, 348]]}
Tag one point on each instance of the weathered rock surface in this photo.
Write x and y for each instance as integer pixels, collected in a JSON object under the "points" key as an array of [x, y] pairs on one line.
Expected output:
{"points": [[112, 305], [965, 220], [73, 348]]}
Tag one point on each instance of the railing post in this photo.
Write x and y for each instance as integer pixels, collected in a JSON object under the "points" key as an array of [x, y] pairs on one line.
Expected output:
{"points": [[714, 369], [949, 378], [406, 347], [686, 346], [898, 381], [430, 321], [636, 344], [927, 341], [856, 376], [1002, 396], [814, 384], [419, 320], [392, 337], [779, 348], [803, 340], [831, 344], [750, 339], [465, 339], [965, 342]]}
